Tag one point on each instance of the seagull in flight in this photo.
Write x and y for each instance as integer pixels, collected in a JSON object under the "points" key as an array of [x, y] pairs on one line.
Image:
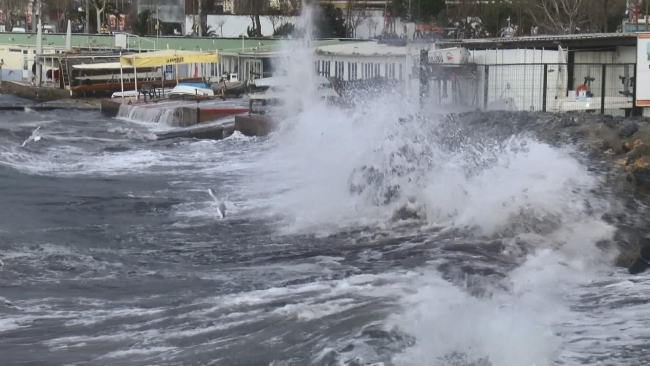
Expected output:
{"points": [[33, 137], [221, 206]]}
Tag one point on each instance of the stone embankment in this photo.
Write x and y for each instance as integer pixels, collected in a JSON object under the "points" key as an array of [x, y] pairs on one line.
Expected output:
{"points": [[618, 147]]}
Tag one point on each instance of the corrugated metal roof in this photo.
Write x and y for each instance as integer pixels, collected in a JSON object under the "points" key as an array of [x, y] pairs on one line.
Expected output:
{"points": [[576, 40], [543, 38]]}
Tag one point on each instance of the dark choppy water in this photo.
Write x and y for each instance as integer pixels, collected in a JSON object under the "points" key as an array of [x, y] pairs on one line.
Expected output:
{"points": [[114, 255]]}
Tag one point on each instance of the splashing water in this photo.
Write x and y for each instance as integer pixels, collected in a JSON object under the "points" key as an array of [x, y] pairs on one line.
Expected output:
{"points": [[339, 168]]}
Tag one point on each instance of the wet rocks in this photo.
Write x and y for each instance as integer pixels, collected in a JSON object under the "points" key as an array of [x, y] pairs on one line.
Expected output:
{"points": [[617, 148], [409, 211], [628, 129], [642, 262]]}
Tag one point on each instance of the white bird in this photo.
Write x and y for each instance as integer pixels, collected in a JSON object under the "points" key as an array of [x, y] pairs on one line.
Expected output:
{"points": [[221, 206], [33, 137]]}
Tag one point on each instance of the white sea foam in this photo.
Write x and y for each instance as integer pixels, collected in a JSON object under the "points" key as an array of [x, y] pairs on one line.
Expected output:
{"points": [[537, 195]]}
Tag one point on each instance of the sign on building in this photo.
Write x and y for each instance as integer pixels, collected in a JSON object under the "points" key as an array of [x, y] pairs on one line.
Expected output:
{"points": [[642, 82]]}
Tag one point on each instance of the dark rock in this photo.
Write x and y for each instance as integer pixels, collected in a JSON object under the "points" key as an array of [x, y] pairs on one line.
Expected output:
{"points": [[567, 121], [626, 147], [609, 123], [642, 178], [407, 213], [601, 145], [641, 264], [628, 129]]}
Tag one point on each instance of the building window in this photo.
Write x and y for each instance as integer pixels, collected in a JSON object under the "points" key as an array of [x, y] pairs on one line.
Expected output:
{"points": [[339, 69], [400, 71], [352, 71], [390, 71]]}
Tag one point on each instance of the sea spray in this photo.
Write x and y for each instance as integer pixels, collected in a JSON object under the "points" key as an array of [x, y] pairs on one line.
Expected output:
{"points": [[338, 168]]}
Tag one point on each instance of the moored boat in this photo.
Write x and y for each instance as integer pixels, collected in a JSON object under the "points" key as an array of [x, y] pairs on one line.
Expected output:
{"points": [[185, 90]]}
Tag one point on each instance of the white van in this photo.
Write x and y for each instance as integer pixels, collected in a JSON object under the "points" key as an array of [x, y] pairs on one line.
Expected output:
{"points": [[18, 30]]}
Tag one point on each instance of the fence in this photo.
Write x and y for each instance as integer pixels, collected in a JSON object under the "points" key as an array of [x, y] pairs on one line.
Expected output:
{"points": [[601, 88]]}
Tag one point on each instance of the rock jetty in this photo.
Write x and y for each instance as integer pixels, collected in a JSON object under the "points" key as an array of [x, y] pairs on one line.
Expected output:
{"points": [[619, 147]]}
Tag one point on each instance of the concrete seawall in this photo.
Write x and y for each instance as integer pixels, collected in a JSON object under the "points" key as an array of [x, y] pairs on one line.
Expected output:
{"points": [[26, 90], [176, 113], [254, 125]]}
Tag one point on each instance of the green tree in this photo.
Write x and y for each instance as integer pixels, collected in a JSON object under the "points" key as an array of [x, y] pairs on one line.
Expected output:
{"points": [[284, 30], [141, 26], [331, 23], [422, 11]]}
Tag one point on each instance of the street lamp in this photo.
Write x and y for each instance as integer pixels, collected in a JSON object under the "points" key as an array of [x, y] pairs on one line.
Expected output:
{"points": [[157, 20]]}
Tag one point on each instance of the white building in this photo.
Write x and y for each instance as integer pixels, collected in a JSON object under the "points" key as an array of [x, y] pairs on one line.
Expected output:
{"points": [[362, 60]]}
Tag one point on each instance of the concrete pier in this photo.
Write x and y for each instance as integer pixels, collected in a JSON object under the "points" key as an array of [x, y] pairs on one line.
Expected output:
{"points": [[212, 131], [254, 125], [27, 90], [76, 104], [178, 113]]}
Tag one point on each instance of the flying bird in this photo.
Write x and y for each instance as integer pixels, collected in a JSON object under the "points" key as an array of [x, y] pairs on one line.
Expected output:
{"points": [[221, 206], [33, 137]]}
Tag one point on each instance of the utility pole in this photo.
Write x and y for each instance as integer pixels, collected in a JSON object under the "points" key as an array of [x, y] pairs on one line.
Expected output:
{"points": [[33, 25], [200, 20], [645, 16], [87, 17]]}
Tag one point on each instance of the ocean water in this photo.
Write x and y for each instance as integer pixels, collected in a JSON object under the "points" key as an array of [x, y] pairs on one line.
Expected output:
{"points": [[357, 236], [114, 253]]}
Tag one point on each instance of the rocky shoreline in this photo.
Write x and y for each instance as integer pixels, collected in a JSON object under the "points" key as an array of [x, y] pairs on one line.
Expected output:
{"points": [[618, 147]]}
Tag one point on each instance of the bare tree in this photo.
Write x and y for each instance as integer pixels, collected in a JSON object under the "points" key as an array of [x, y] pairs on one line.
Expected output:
{"points": [[200, 29], [221, 21], [63, 8], [286, 7], [253, 8], [100, 5], [13, 10], [357, 17], [295, 6], [372, 27], [275, 19], [559, 16]]}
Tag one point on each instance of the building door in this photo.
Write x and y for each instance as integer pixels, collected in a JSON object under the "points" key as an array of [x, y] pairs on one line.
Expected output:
{"points": [[26, 65], [252, 69]]}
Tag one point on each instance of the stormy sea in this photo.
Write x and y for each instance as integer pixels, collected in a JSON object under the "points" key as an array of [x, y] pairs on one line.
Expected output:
{"points": [[362, 235]]}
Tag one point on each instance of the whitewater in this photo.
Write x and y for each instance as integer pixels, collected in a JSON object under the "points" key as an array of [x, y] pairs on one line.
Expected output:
{"points": [[355, 236]]}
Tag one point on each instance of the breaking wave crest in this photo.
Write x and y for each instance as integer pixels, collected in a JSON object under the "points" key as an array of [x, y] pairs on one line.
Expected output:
{"points": [[379, 163]]}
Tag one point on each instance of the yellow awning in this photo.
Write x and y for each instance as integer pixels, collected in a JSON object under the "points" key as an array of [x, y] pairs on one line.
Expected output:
{"points": [[167, 57]]}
